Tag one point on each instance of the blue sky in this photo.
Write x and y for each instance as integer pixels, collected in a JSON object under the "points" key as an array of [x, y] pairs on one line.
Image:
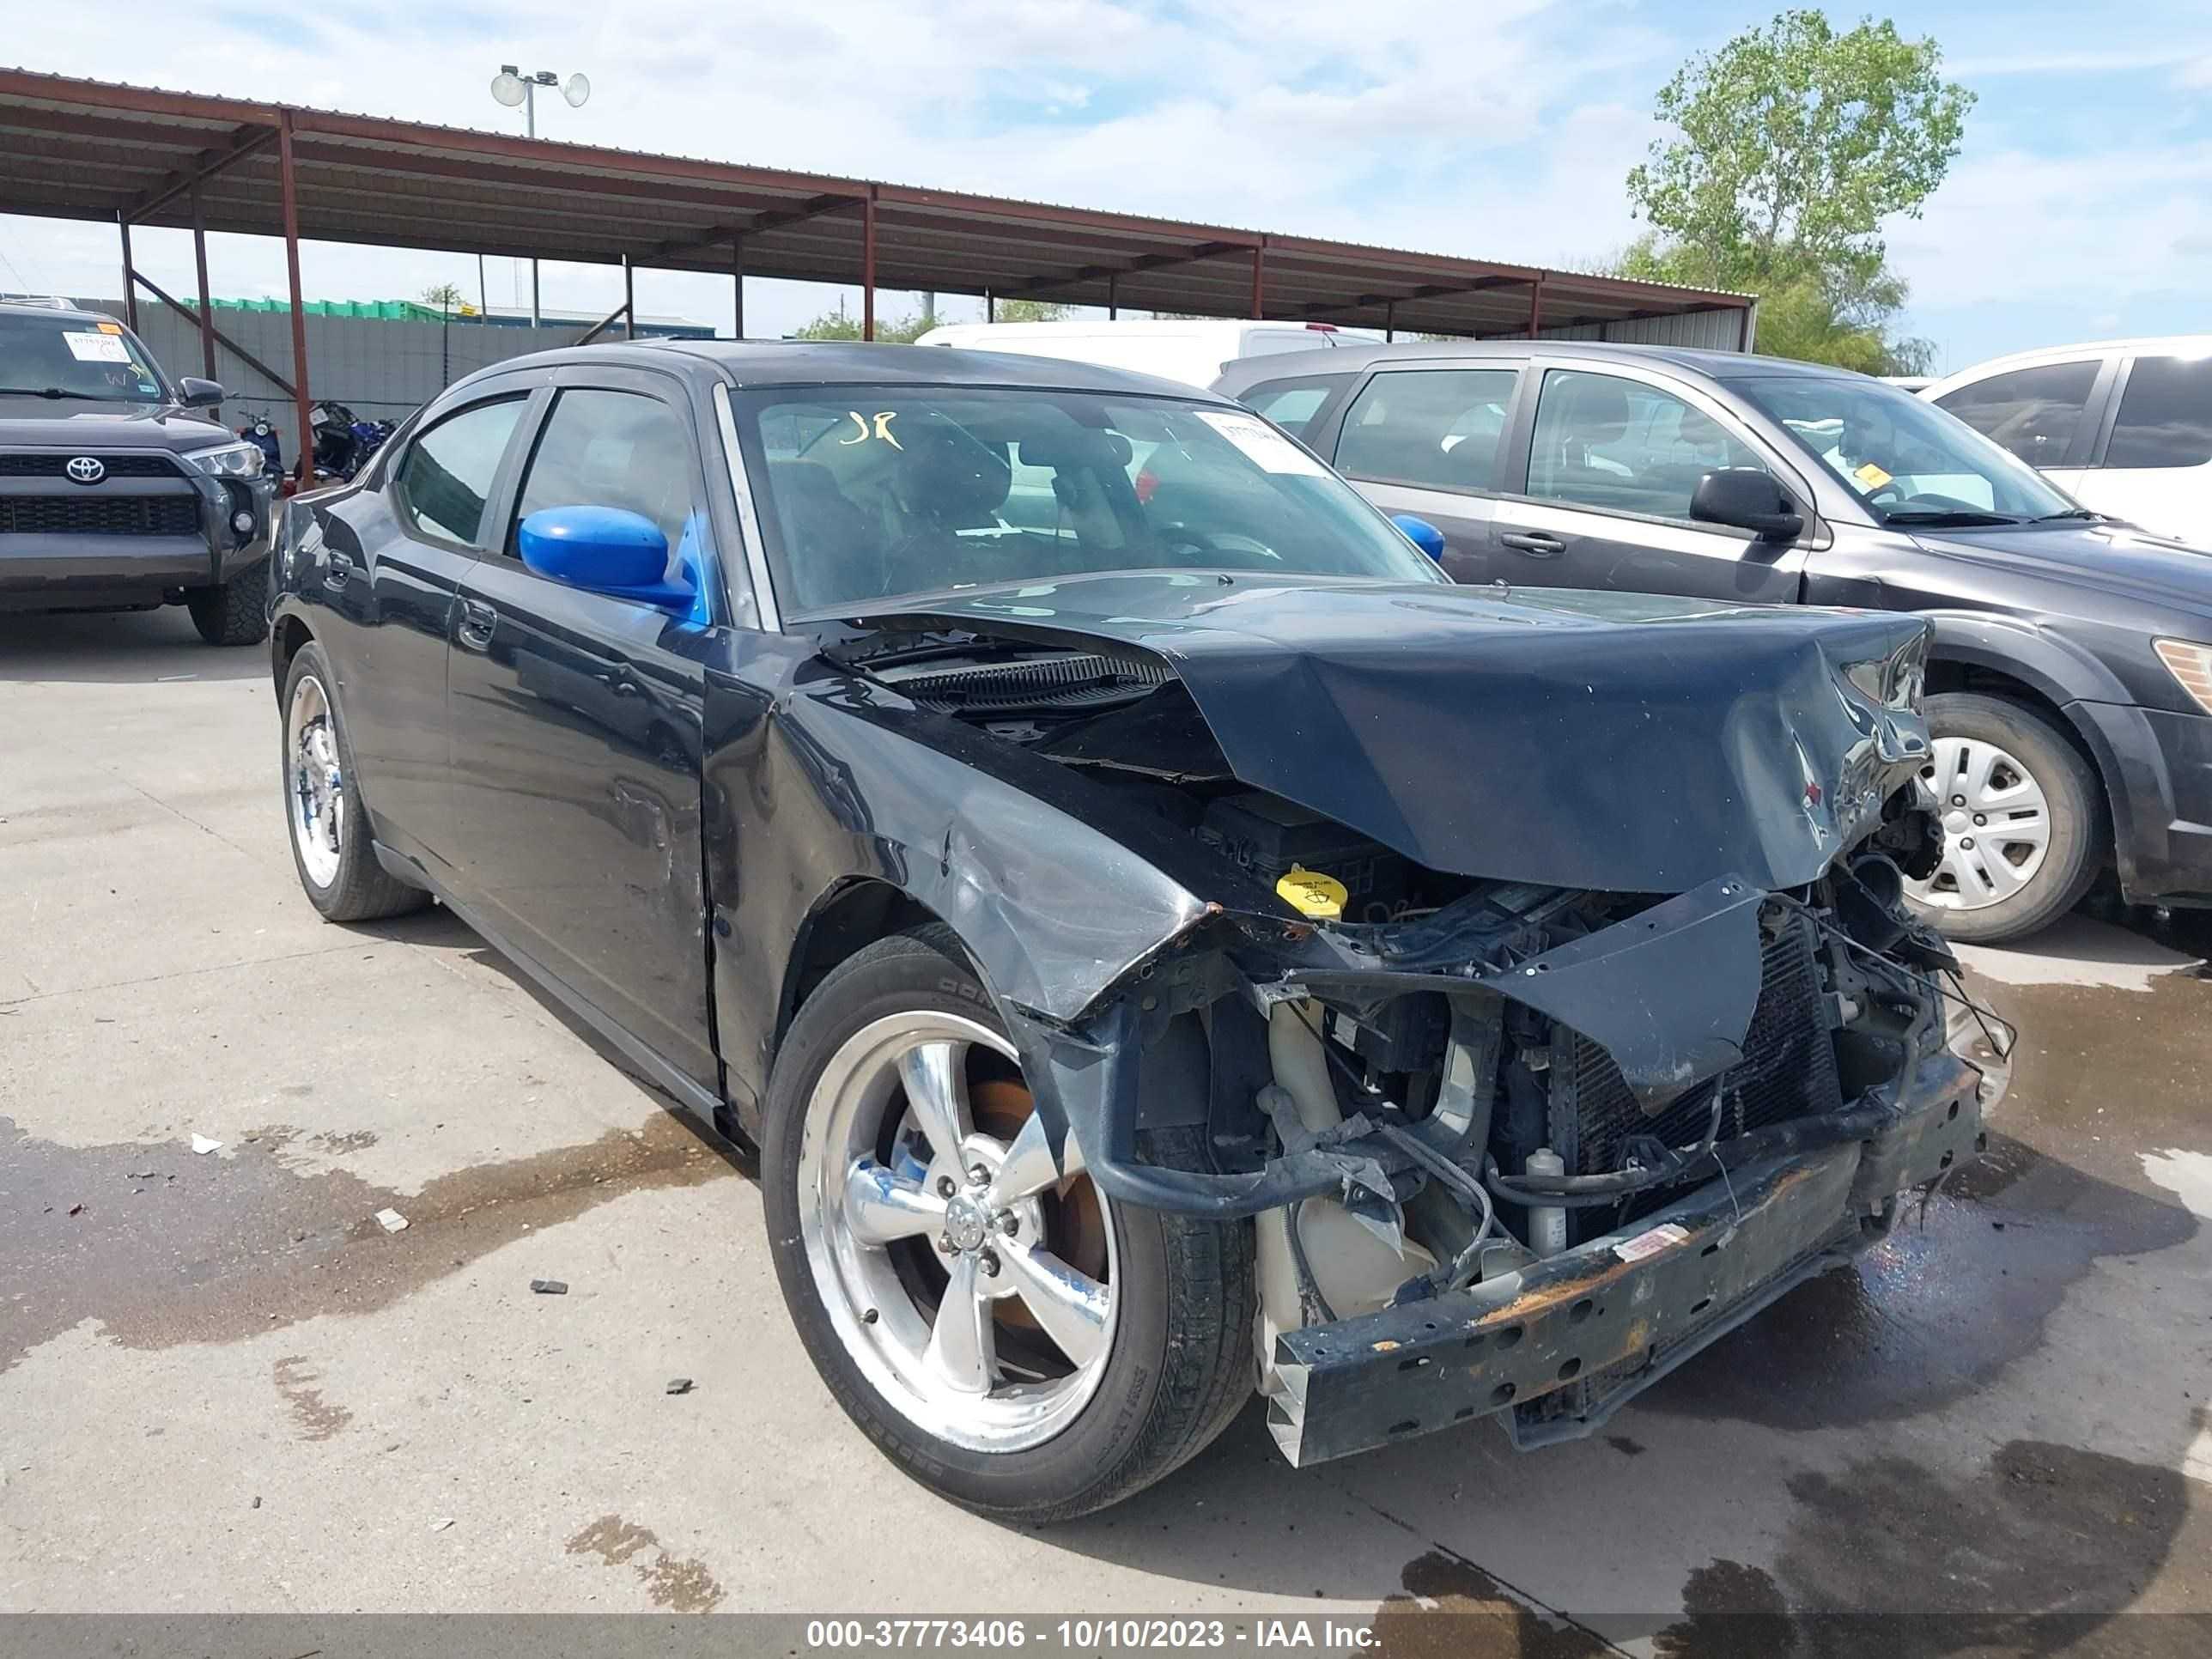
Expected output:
{"points": [[2080, 207]]}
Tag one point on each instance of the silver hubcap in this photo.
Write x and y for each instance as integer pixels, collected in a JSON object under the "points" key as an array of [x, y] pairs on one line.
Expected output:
{"points": [[1997, 825], [970, 1281], [317, 786]]}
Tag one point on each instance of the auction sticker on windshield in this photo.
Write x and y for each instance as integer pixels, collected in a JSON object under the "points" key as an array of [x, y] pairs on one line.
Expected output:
{"points": [[1261, 444], [97, 349]]}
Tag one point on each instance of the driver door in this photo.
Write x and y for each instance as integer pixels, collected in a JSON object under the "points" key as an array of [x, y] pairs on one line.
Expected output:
{"points": [[574, 721], [1601, 498]]}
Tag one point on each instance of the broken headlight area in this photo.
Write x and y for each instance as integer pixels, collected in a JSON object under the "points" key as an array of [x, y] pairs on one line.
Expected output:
{"points": [[1521, 1149]]}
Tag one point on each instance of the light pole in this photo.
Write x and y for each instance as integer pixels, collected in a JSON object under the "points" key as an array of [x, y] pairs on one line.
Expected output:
{"points": [[512, 89]]}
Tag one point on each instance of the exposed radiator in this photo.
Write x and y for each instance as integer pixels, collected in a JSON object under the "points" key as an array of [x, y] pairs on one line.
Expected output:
{"points": [[1788, 1070]]}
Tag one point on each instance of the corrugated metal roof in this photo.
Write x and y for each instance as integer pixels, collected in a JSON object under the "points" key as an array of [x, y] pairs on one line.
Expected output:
{"points": [[100, 150]]}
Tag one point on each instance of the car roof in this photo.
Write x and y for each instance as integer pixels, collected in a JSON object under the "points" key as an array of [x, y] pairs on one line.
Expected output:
{"points": [[1713, 365], [47, 308], [746, 363], [2164, 345]]}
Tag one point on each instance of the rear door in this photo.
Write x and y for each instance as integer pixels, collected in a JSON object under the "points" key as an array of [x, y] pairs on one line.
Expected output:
{"points": [[2154, 466], [1427, 438], [390, 562], [576, 724], [1601, 498]]}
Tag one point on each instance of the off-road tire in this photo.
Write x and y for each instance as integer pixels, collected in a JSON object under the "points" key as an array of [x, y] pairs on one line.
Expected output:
{"points": [[2076, 809], [362, 890], [235, 613], [1180, 1365]]}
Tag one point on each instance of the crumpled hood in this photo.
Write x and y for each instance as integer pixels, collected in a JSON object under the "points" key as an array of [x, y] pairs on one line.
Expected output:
{"points": [[81, 426], [1628, 742]]}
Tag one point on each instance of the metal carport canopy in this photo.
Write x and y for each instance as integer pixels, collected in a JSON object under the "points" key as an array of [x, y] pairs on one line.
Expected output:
{"points": [[137, 155]]}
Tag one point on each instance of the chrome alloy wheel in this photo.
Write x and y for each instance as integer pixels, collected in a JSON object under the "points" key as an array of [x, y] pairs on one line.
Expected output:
{"points": [[971, 1283], [315, 782], [1997, 825]]}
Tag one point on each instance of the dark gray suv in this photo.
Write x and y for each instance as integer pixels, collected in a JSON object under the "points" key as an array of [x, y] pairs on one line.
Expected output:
{"points": [[116, 492], [2070, 677]]}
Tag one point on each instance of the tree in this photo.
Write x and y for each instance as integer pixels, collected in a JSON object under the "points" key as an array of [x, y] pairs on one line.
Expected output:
{"points": [[1027, 310], [1794, 144], [444, 296]]}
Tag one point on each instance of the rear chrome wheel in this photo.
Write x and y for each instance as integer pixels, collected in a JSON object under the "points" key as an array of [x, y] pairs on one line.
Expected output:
{"points": [[317, 780], [970, 1281]]}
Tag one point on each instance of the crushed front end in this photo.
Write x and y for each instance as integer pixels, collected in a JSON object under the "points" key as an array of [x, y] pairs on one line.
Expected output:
{"points": [[1521, 1120]]}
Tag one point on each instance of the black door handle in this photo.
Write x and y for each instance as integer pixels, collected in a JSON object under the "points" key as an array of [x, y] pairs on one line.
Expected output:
{"points": [[1536, 543], [339, 570], [477, 622]]}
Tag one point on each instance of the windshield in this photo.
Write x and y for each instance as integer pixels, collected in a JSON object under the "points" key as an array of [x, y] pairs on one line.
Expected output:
{"points": [[63, 356], [1909, 461], [870, 491]]}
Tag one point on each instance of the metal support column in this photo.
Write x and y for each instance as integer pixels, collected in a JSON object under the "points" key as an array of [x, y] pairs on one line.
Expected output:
{"points": [[1535, 307], [1389, 321], [990, 306], [207, 307], [130, 286], [1259, 277], [287, 175], [630, 300], [868, 266], [1113, 296], [737, 288]]}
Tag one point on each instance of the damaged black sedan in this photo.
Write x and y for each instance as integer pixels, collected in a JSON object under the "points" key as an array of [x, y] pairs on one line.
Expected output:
{"points": [[1163, 938]]}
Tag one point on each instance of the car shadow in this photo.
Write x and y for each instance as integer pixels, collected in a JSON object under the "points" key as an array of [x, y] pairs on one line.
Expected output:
{"points": [[117, 648], [438, 928]]}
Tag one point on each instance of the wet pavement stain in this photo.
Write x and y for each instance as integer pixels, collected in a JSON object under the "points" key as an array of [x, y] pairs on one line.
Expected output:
{"points": [[318, 1418], [2042, 1550], [680, 1585], [1937, 1309], [162, 1247], [1452, 1609]]}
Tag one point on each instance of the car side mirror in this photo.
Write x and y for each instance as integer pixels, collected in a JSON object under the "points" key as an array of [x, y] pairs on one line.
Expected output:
{"points": [[1420, 531], [1746, 498], [602, 550], [196, 394]]}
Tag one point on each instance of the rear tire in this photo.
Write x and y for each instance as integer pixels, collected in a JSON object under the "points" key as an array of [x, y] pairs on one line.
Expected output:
{"points": [[328, 826], [1176, 1356], [235, 613], [2021, 806]]}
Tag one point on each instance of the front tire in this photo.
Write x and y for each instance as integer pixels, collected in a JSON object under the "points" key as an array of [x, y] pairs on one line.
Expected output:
{"points": [[2023, 821], [330, 833], [1011, 1339], [235, 613]]}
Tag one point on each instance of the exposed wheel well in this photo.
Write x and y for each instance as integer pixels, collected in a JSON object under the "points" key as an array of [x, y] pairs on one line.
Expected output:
{"points": [[853, 919], [1945, 674], [291, 635]]}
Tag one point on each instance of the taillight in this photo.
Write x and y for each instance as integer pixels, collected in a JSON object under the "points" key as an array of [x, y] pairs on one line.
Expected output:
{"points": [[1146, 484], [1323, 328]]}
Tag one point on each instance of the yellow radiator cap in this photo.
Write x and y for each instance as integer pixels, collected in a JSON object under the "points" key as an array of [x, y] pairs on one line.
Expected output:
{"points": [[1313, 894]]}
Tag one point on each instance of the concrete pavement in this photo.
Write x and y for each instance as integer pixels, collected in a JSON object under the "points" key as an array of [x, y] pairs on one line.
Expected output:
{"points": [[224, 1386]]}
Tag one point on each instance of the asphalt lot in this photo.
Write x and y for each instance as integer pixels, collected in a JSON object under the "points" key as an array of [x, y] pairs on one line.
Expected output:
{"points": [[224, 1386]]}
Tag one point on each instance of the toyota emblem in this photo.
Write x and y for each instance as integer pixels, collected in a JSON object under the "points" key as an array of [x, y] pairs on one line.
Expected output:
{"points": [[86, 469]]}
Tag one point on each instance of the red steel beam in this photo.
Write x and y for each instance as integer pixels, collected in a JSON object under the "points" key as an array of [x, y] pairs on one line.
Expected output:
{"points": [[1535, 307], [207, 307], [868, 266], [288, 185], [1130, 268], [130, 288], [737, 288], [1259, 277], [205, 166], [630, 299], [236, 349], [812, 208]]}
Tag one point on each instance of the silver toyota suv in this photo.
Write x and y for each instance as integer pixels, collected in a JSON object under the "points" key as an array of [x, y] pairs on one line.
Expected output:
{"points": [[117, 491]]}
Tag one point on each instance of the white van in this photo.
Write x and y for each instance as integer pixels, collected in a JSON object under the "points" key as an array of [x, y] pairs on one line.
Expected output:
{"points": [[1192, 350], [2123, 426]]}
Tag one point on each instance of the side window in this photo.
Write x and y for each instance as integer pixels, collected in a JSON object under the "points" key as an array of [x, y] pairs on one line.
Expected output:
{"points": [[2033, 412], [2166, 415], [1624, 447], [621, 449], [445, 477], [1290, 404], [1436, 427]]}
